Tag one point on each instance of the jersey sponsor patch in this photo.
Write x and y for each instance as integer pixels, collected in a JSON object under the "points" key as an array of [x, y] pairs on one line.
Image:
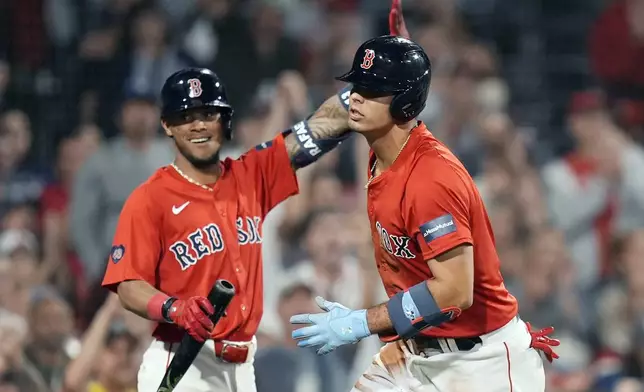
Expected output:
{"points": [[263, 146], [117, 252], [438, 227]]}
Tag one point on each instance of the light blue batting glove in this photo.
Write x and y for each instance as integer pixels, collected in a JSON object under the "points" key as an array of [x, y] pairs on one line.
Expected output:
{"points": [[337, 327]]}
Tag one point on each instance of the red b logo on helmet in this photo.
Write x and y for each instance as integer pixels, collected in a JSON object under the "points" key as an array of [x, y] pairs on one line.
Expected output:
{"points": [[195, 88], [367, 60]]}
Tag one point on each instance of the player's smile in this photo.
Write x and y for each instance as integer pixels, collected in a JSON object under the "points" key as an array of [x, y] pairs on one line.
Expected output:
{"points": [[200, 140], [203, 142]]}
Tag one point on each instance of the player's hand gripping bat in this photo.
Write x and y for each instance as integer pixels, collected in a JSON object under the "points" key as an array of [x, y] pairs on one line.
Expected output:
{"points": [[220, 296]]}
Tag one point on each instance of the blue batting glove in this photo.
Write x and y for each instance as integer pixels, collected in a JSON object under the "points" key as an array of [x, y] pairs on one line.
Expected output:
{"points": [[337, 327]]}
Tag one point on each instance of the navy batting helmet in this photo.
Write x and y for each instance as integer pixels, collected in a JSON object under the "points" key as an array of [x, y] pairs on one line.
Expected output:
{"points": [[196, 88], [393, 65]]}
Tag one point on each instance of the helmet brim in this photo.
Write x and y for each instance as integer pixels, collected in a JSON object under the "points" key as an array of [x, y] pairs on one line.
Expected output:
{"points": [[193, 105], [346, 77], [370, 82]]}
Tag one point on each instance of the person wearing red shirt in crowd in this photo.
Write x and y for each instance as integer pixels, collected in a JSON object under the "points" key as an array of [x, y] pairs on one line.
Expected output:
{"points": [[61, 262], [616, 56]]}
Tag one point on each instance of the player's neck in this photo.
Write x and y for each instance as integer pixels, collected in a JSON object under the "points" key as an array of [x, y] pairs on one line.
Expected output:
{"points": [[203, 175], [387, 145]]}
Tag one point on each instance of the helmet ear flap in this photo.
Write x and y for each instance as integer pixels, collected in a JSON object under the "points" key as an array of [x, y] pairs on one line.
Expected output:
{"points": [[227, 123], [407, 105]]}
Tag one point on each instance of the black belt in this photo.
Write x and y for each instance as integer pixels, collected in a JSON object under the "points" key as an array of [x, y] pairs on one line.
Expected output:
{"points": [[446, 344]]}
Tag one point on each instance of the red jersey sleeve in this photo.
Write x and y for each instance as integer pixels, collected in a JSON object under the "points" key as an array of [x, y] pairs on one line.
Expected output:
{"points": [[269, 166], [437, 212], [136, 248]]}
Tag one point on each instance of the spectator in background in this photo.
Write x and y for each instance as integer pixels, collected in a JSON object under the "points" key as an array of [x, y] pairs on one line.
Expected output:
{"points": [[326, 189], [107, 361], [21, 217], [619, 310], [15, 372], [20, 183], [62, 264], [204, 24], [616, 53], [109, 176], [286, 368], [14, 294], [139, 64], [152, 57], [327, 266], [50, 321], [595, 193], [99, 51], [116, 368], [21, 248], [90, 137], [334, 271], [548, 293], [254, 52], [458, 120]]}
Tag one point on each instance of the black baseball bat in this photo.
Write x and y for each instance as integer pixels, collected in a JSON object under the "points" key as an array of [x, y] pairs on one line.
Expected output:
{"points": [[220, 296]]}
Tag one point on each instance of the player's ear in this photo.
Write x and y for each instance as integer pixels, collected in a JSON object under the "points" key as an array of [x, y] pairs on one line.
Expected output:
{"points": [[166, 128]]}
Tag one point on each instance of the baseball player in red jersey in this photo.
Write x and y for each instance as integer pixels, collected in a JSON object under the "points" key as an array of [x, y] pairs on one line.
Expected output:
{"points": [[199, 220], [452, 323]]}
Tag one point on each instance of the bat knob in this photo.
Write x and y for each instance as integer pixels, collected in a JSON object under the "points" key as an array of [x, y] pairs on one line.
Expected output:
{"points": [[224, 285]]}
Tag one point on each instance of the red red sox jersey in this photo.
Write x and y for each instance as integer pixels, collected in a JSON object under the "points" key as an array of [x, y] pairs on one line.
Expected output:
{"points": [[425, 204], [181, 238]]}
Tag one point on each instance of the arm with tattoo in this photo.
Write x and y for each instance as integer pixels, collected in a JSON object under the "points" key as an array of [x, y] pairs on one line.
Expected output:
{"points": [[308, 140]]}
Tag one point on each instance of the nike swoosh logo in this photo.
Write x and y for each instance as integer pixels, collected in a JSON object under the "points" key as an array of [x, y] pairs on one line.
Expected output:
{"points": [[177, 210]]}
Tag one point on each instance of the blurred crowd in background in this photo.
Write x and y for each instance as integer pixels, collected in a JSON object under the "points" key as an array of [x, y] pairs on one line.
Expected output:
{"points": [[543, 101]]}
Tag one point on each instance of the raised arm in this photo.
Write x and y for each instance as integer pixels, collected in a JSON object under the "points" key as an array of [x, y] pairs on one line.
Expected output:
{"points": [[308, 140]]}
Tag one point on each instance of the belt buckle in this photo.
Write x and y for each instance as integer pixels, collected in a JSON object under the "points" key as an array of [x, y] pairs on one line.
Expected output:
{"points": [[224, 350]]}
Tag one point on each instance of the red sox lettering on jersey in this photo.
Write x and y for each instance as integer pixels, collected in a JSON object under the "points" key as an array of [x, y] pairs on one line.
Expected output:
{"points": [[208, 240], [181, 238], [428, 196], [395, 245]]}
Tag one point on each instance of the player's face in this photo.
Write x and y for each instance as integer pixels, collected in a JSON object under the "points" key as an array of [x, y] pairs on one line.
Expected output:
{"points": [[198, 135], [369, 112]]}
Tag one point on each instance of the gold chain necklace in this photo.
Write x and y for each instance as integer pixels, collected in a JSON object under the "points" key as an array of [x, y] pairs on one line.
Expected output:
{"points": [[190, 180], [375, 163]]}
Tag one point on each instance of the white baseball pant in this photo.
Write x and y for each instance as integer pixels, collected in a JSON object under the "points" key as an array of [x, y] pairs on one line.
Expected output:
{"points": [[503, 362], [207, 373]]}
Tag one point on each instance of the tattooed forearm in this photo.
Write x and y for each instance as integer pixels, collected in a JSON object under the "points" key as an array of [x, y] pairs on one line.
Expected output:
{"points": [[330, 120], [319, 134]]}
